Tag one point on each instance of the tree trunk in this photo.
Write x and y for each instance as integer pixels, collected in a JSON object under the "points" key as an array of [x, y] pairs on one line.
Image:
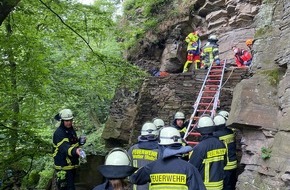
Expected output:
{"points": [[6, 6]]}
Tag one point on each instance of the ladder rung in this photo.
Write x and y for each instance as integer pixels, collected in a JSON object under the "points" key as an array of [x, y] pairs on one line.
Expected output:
{"points": [[192, 143], [211, 80], [214, 75], [211, 85], [195, 134], [205, 104], [204, 110], [207, 97], [209, 91]]}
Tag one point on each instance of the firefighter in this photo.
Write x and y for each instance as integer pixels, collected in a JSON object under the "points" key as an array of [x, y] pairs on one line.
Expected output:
{"points": [[226, 135], [208, 156], [193, 50], [179, 123], [66, 151], [146, 150], [116, 169], [169, 171], [210, 52], [243, 58]]}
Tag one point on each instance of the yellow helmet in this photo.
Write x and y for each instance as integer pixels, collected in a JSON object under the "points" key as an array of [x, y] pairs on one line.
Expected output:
{"points": [[249, 42]]}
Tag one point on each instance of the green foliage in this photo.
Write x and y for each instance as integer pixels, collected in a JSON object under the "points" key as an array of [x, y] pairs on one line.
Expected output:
{"points": [[95, 144], [56, 55], [140, 17], [269, 1], [263, 31], [266, 153], [45, 176], [273, 76]]}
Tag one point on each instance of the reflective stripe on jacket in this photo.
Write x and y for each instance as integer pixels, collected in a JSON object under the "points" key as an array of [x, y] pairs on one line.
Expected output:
{"points": [[65, 143], [141, 154], [169, 173], [226, 135], [193, 42], [209, 158], [210, 53]]}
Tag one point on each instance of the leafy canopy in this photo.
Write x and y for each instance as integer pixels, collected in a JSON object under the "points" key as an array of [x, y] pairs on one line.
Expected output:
{"points": [[54, 55]]}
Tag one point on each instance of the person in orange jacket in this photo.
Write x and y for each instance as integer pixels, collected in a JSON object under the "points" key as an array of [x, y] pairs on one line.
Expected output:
{"points": [[243, 58]]}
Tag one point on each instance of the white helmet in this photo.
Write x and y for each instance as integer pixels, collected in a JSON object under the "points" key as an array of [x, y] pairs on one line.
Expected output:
{"points": [[225, 114], [117, 157], [219, 120], [179, 115], [66, 114], [149, 129], [169, 135], [213, 37], [205, 121], [158, 123]]}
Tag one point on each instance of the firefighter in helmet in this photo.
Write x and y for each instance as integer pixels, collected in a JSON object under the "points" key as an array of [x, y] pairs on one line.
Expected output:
{"points": [[66, 150], [169, 171], [159, 123], [226, 135], [116, 169], [208, 156], [210, 52], [146, 150], [179, 123]]}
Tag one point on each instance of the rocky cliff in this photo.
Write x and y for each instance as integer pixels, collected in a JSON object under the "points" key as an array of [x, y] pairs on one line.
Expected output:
{"points": [[259, 106]]}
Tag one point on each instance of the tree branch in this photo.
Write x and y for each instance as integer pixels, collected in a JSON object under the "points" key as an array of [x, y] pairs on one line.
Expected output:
{"points": [[73, 30]]}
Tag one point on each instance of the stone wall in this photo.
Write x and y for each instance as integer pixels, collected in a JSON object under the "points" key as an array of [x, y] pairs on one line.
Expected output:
{"points": [[259, 106], [160, 97]]}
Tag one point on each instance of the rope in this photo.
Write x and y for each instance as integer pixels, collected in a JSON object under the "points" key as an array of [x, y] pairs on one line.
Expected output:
{"points": [[228, 78]]}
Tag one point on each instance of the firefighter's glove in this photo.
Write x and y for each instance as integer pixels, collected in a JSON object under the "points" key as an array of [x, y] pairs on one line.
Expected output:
{"points": [[217, 62]]}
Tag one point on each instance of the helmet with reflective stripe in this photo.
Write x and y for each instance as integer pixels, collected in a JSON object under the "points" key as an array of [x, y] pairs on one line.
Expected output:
{"points": [[158, 123], [66, 114], [169, 135], [149, 129], [225, 114], [117, 157], [179, 115], [219, 120]]}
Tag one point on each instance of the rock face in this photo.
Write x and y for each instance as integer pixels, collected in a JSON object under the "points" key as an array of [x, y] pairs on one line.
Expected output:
{"points": [[263, 114], [160, 97], [259, 106]]}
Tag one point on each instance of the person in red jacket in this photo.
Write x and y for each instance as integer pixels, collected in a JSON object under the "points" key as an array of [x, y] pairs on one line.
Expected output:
{"points": [[243, 58]]}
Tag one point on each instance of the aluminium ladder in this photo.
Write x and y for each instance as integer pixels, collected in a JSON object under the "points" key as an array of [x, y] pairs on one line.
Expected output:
{"points": [[207, 100]]}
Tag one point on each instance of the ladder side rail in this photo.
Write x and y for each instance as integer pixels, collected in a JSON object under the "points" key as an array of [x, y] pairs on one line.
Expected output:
{"points": [[219, 89]]}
